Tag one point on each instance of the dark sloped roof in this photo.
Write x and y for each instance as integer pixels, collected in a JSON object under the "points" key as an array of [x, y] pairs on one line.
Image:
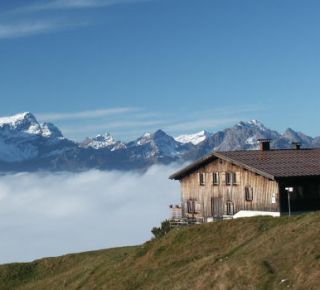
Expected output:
{"points": [[271, 164]]}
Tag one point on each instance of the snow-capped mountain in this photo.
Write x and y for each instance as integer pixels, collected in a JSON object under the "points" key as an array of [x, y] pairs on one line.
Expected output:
{"points": [[25, 125], [195, 139], [27, 145], [20, 124], [157, 145], [50, 131], [23, 138], [103, 141]]}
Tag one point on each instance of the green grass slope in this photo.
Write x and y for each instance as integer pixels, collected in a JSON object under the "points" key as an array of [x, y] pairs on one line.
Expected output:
{"points": [[251, 253]]}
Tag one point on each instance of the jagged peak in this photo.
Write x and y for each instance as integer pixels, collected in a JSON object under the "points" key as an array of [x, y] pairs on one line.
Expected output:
{"points": [[102, 141], [252, 123], [289, 130], [102, 137], [159, 133], [51, 130], [195, 138], [18, 118]]}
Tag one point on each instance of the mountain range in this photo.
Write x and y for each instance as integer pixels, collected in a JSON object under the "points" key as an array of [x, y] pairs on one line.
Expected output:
{"points": [[27, 145]]}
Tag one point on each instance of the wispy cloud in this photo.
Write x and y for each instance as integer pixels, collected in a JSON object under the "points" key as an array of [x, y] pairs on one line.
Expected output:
{"points": [[74, 4], [84, 115], [26, 29], [200, 124], [20, 24], [129, 123]]}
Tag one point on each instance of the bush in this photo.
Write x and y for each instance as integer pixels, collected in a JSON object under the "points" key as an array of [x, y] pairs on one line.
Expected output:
{"points": [[162, 230]]}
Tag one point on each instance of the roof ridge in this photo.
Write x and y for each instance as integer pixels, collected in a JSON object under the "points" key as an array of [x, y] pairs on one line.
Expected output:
{"points": [[272, 164]]}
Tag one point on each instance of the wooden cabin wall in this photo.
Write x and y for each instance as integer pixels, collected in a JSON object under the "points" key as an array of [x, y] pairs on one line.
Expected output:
{"points": [[263, 189]]}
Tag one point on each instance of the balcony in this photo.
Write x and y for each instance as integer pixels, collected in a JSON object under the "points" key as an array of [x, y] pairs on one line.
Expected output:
{"points": [[181, 217]]}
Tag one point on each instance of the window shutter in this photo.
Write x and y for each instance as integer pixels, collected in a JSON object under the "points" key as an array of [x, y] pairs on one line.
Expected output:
{"points": [[215, 178], [249, 193], [237, 175], [189, 206], [201, 177], [228, 181], [223, 177], [230, 208], [197, 207], [212, 206], [185, 205]]}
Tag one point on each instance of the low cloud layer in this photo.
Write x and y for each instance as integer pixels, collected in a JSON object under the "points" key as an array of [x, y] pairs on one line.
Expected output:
{"points": [[45, 215]]}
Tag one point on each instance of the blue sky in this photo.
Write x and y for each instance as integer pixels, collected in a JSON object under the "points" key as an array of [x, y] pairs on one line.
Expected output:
{"points": [[129, 66]]}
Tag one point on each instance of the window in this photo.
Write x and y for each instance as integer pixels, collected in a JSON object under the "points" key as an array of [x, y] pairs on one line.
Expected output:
{"points": [[228, 178], [216, 206], [193, 206], [215, 178], [201, 179], [230, 208], [232, 178], [248, 193]]}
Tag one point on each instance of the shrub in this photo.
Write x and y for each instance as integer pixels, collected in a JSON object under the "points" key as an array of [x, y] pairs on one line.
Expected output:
{"points": [[162, 230]]}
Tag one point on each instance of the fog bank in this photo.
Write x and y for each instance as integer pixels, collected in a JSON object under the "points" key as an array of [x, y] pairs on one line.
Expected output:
{"points": [[46, 214]]}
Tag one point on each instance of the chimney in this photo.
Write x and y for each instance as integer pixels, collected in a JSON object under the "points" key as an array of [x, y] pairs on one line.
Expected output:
{"points": [[264, 144], [296, 145]]}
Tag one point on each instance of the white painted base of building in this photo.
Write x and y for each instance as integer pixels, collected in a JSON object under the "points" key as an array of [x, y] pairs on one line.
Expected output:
{"points": [[251, 213]]}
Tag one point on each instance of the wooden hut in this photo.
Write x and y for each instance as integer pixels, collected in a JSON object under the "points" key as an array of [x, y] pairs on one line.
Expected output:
{"points": [[236, 184]]}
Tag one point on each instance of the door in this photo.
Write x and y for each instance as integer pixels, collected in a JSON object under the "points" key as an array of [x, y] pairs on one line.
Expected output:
{"points": [[217, 207]]}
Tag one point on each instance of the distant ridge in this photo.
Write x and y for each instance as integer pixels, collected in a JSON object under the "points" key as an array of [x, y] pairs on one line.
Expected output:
{"points": [[27, 145]]}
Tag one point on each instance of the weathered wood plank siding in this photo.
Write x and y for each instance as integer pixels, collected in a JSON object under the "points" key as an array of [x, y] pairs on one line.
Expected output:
{"points": [[263, 189]]}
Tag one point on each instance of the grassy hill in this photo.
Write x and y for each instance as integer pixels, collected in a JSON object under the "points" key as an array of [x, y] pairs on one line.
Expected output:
{"points": [[253, 253]]}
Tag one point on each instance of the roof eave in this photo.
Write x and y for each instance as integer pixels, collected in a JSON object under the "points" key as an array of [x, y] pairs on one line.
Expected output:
{"points": [[208, 158], [245, 166], [192, 167]]}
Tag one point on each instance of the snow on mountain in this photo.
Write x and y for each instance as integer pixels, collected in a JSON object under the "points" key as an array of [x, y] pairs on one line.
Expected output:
{"points": [[17, 119], [25, 144], [252, 124], [50, 131], [195, 139], [146, 138], [23, 138], [294, 136], [242, 136], [103, 141], [24, 123], [156, 145]]}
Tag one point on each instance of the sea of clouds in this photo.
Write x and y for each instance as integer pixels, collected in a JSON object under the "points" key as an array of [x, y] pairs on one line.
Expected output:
{"points": [[45, 214]]}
